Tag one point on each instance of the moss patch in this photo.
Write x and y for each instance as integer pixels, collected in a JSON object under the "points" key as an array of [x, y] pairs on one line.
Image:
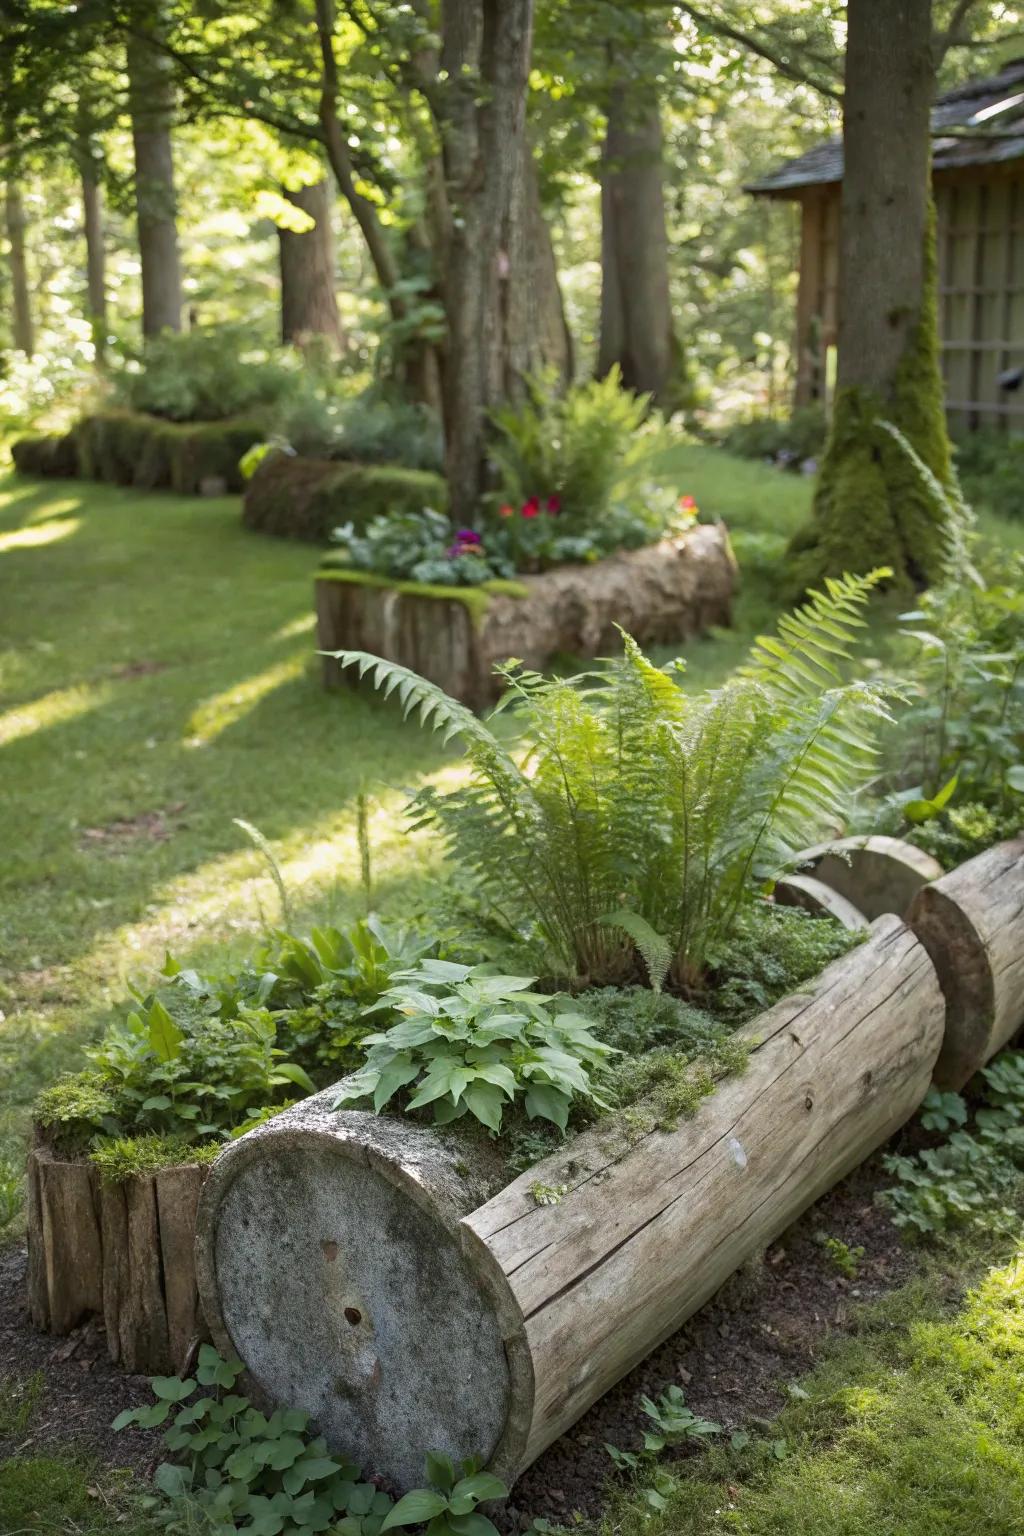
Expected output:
{"points": [[127, 1157], [149, 453], [872, 507], [297, 498], [475, 599]]}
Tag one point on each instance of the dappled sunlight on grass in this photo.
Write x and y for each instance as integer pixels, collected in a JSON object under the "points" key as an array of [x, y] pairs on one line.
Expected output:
{"points": [[51, 709], [225, 709], [48, 532], [297, 627]]}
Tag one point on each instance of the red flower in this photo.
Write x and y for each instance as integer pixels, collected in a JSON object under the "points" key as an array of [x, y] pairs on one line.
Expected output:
{"points": [[506, 511], [554, 505], [531, 508], [688, 503]]}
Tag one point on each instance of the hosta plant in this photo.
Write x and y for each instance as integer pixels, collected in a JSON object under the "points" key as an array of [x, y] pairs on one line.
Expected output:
{"points": [[471, 1043], [632, 821]]}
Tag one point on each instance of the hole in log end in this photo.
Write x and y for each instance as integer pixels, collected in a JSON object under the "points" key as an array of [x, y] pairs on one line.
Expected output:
{"points": [[353, 1315]]}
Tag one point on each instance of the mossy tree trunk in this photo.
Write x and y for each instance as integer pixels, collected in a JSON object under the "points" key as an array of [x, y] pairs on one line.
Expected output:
{"points": [[871, 507], [637, 330]]}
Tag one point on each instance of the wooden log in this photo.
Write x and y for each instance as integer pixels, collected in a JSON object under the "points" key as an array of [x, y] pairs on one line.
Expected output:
{"points": [[971, 922], [876, 874], [65, 1263], [177, 1197], [134, 1306], [814, 896], [349, 1260], [660, 594]]}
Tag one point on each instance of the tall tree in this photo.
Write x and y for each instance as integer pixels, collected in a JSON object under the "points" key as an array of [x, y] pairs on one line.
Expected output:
{"points": [[871, 507], [151, 99], [637, 328], [22, 330], [90, 173], [309, 300]]}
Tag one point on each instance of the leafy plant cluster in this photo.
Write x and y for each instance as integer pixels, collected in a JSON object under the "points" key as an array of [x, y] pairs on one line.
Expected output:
{"points": [[322, 419], [468, 1042], [973, 1178], [202, 1058], [208, 374], [419, 546], [991, 467], [236, 1469], [787, 442], [964, 730], [632, 824]]}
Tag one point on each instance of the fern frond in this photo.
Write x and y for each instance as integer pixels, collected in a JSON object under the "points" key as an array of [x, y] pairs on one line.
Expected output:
{"points": [[952, 515], [258, 841], [800, 661], [654, 949]]}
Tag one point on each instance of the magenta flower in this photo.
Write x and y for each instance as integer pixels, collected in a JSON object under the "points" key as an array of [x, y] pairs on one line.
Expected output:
{"points": [[554, 505]]}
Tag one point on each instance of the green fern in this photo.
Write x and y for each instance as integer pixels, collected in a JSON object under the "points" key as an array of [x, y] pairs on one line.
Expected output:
{"points": [[634, 818], [952, 515]]}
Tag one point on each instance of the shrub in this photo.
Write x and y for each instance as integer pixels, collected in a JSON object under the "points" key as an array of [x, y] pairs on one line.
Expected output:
{"points": [[991, 466], [204, 375], [319, 422], [639, 819], [52, 453], [587, 448], [308, 498], [786, 441]]}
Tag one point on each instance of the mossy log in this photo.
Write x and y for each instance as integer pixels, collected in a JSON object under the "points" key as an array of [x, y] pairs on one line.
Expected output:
{"points": [[661, 594], [971, 922], [121, 1251], [294, 497], [351, 1263]]}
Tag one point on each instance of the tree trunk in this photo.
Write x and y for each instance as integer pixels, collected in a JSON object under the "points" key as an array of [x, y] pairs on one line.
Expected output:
{"points": [[309, 303], [364, 1273], [871, 507], [637, 330], [537, 336], [22, 333], [485, 60], [95, 259], [151, 102]]}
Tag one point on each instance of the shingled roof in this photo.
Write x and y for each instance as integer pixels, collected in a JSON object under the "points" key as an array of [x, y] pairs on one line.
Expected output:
{"points": [[987, 115]]}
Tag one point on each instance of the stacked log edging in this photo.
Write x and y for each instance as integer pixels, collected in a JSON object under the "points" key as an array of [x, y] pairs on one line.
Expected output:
{"points": [[124, 1251]]}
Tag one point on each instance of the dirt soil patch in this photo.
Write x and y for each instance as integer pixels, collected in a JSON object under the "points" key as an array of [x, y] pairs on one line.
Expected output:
{"points": [[735, 1359], [149, 826]]}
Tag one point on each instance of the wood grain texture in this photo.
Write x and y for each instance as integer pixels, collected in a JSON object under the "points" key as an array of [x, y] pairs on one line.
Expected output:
{"points": [[648, 1233], [876, 874], [177, 1196], [65, 1267], [971, 922]]}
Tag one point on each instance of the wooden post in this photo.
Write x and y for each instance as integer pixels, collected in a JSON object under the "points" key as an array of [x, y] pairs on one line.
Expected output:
{"points": [[349, 1261]]}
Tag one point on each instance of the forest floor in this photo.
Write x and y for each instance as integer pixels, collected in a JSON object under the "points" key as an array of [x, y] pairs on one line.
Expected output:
{"points": [[157, 679]]}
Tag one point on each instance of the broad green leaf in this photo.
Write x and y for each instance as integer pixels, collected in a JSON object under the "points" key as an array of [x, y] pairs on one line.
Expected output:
{"points": [[291, 1072], [172, 1389], [415, 1508], [478, 1489], [164, 1035], [440, 1471], [486, 1102]]}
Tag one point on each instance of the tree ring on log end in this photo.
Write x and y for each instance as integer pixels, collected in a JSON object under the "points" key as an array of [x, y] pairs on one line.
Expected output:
{"points": [[347, 1293], [961, 960]]}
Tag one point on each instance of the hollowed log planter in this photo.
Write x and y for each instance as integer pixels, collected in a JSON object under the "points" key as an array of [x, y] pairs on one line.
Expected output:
{"points": [[454, 637], [124, 1252], [357, 1275]]}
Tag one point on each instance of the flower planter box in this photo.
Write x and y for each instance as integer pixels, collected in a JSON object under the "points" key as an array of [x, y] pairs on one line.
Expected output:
{"points": [[455, 635], [122, 1251], [364, 1274]]}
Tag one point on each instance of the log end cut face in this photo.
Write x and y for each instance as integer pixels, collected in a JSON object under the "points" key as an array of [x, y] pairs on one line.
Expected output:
{"points": [[347, 1298]]}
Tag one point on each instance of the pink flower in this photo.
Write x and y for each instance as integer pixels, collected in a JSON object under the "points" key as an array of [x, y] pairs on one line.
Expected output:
{"points": [[531, 508], [554, 505], [688, 503]]}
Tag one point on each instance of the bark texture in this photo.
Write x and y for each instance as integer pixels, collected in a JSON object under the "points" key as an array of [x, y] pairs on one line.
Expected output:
{"points": [[485, 60], [971, 922], [22, 329], [309, 301], [663, 593], [121, 1251], [637, 329], [357, 1274], [151, 103], [95, 260], [871, 506]]}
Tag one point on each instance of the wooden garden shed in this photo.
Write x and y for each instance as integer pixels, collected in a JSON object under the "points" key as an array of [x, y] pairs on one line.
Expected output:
{"points": [[978, 178]]}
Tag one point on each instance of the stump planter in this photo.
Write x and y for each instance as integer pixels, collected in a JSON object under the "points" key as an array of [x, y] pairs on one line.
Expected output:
{"points": [[455, 635], [122, 1251]]}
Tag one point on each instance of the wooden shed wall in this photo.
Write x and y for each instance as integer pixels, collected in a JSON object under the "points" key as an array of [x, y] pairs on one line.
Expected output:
{"points": [[981, 293]]}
